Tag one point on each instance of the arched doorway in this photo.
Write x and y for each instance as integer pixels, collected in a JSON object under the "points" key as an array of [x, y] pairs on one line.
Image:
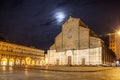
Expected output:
{"points": [[42, 63], [69, 54], [23, 62], [28, 60], [11, 62], [37, 62], [58, 62], [33, 63], [69, 60], [4, 61], [83, 61], [17, 62]]}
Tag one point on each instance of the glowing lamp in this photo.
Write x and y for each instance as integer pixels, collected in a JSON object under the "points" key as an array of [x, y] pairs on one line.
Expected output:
{"points": [[118, 32]]}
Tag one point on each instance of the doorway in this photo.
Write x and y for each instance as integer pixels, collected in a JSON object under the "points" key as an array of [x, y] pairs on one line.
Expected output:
{"points": [[58, 61], [83, 61], [69, 60]]}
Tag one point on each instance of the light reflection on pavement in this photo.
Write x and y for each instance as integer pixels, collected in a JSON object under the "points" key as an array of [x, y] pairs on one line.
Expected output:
{"points": [[29, 74]]}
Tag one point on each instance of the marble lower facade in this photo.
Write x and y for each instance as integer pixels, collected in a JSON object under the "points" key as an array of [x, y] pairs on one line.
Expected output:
{"points": [[76, 57]]}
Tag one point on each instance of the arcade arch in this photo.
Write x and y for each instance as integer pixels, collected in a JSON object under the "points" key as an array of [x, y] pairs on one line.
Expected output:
{"points": [[11, 62], [28, 60], [4, 61], [17, 62]]}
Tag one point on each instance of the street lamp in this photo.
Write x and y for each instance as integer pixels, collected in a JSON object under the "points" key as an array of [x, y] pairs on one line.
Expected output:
{"points": [[118, 51], [118, 32]]}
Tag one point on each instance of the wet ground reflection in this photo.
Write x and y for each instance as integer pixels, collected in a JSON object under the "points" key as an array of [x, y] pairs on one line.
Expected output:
{"points": [[8, 73]]}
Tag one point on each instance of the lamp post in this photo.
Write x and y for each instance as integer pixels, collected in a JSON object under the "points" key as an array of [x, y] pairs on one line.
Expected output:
{"points": [[117, 46], [118, 32]]}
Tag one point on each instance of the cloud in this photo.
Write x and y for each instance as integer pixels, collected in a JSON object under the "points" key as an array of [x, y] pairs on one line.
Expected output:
{"points": [[48, 22]]}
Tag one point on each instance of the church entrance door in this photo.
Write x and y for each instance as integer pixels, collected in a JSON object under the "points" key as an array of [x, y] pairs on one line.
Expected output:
{"points": [[58, 61], [83, 61], [69, 54], [69, 60]]}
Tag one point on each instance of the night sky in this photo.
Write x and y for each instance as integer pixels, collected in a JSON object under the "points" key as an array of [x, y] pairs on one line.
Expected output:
{"points": [[37, 22]]}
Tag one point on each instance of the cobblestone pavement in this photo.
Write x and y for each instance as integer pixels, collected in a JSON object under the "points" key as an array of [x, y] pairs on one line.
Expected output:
{"points": [[10, 73], [73, 69]]}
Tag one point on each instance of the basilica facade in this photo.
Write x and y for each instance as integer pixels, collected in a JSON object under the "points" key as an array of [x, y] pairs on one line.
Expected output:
{"points": [[76, 44]]}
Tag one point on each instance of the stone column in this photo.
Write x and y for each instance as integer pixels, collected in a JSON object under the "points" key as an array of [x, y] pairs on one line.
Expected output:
{"points": [[7, 61], [14, 61]]}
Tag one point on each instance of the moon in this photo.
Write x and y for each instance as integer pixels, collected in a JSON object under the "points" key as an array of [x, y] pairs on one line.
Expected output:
{"points": [[60, 16]]}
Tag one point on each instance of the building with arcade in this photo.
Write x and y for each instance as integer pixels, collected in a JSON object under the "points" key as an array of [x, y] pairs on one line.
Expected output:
{"points": [[18, 55]]}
